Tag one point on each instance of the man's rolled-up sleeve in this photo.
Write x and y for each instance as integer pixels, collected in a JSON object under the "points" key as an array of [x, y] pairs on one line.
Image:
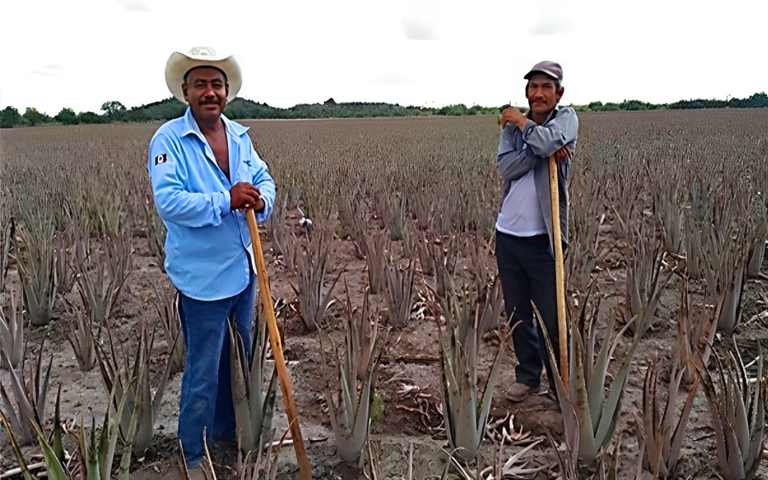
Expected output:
{"points": [[175, 204], [266, 185], [513, 163], [545, 140]]}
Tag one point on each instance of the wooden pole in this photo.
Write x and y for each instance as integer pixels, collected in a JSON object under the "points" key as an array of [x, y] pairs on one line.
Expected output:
{"points": [[557, 243], [305, 471]]}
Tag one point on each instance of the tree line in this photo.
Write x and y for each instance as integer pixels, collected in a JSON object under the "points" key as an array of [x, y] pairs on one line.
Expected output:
{"points": [[169, 108]]}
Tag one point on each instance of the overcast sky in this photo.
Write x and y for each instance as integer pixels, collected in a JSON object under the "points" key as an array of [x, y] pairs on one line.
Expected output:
{"points": [[81, 53]]}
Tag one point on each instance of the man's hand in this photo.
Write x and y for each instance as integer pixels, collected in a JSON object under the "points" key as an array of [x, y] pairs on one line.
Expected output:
{"points": [[513, 116], [563, 155], [244, 196]]}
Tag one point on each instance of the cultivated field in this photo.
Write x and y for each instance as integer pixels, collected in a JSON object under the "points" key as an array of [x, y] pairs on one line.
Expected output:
{"points": [[669, 221]]}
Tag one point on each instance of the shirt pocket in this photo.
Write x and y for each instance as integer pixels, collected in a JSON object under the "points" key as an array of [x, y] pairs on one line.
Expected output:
{"points": [[244, 170]]}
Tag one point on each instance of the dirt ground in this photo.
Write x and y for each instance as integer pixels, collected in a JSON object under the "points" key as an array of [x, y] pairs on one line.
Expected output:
{"points": [[408, 385]]}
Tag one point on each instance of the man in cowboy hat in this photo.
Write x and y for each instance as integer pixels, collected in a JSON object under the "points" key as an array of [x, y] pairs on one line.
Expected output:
{"points": [[205, 173], [524, 243]]}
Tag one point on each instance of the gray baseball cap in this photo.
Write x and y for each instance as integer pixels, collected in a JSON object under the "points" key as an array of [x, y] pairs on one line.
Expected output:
{"points": [[553, 69]]}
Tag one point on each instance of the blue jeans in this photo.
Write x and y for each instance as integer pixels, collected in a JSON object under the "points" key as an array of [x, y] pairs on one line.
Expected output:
{"points": [[206, 391]]}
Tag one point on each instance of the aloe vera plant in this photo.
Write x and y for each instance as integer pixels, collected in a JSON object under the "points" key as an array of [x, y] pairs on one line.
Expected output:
{"points": [[118, 373], [357, 368], [723, 250], [53, 454], [645, 259], [313, 263], [595, 412], [166, 304], [96, 451], [82, 338], [758, 235], [399, 293], [254, 405], [465, 409], [445, 257], [670, 209], [7, 229], [695, 334], [30, 395], [363, 328], [375, 247], [283, 239], [102, 274], [737, 409], [65, 273], [12, 333], [493, 306], [660, 430], [36, 260]]}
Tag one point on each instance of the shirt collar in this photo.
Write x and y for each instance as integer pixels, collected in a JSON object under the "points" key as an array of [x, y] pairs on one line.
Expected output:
{"points": [[191, 127], [552, 115]]}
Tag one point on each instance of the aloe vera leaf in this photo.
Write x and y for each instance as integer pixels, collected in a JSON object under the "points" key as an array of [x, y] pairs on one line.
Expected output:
{"points": [[488, 393], [679, 434], [239, 393], [15, 446], [142, 437], [157, 400], [125, 460], [570, 419], [268, 410], [587, 446], [596, 387], [612, 405], [110, 431]]}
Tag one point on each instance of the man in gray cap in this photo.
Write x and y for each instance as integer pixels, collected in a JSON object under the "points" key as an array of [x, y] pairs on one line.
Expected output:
{"points": [[524, 243]]}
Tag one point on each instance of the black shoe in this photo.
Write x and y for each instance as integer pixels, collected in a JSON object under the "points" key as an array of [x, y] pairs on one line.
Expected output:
{"points": [[520, 391]]}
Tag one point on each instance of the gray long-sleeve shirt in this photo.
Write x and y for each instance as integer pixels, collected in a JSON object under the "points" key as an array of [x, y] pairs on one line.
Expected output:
{"points": [[521, 152]]}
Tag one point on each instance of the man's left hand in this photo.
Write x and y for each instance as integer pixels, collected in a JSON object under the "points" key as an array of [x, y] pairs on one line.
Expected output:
{"points": [[258, 207], [513, 116], [563, 155]]}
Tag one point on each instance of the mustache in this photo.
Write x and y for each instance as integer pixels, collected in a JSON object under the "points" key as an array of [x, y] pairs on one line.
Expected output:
{"points": [[210, 102]]}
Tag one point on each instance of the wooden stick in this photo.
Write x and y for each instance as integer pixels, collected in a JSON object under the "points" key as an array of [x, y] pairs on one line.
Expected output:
{"points": [[305, 471], [557, 243]]}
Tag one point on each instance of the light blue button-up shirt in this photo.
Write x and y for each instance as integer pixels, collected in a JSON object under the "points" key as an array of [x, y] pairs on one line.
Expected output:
{"points": [[208, 246]]}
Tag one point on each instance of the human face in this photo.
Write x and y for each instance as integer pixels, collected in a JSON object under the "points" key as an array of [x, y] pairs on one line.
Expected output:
{"points": [[206, 91], [543, 94]]}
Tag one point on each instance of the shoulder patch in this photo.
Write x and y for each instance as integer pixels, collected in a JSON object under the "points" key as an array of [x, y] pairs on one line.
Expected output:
{"points": [[162, 158]]}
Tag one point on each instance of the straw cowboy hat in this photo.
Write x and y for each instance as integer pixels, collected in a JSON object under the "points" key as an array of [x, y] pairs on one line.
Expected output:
{"points": [[180, 63]]}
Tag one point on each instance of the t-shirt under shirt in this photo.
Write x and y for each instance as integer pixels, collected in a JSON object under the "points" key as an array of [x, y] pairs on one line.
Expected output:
{"points": [[520, 213]]}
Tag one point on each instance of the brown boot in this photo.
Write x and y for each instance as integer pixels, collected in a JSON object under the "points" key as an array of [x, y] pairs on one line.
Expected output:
{"points": [[520, 391]]}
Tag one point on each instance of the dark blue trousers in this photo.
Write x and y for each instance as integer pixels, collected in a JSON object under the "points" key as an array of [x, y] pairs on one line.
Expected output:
{"points": [[206, 387], [527, 272]]}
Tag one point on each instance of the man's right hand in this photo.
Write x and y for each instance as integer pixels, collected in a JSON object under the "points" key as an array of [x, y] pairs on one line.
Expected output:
{"points": [[243, 195]]}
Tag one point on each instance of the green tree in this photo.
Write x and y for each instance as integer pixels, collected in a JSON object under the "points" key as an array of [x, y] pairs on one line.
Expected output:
{"points": [[34, 117], [67, 116], [9, 117], [113, 109], [91, 117], [595, 106]]}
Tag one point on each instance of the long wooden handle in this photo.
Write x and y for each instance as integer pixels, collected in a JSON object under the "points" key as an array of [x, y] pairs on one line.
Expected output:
{"points": [[305, 471], [554, 196]]}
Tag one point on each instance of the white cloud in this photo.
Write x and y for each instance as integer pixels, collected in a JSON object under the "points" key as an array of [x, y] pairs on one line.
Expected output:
{"points": [[657, 50], [418, 29], [49, 70], [133, 5]]}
